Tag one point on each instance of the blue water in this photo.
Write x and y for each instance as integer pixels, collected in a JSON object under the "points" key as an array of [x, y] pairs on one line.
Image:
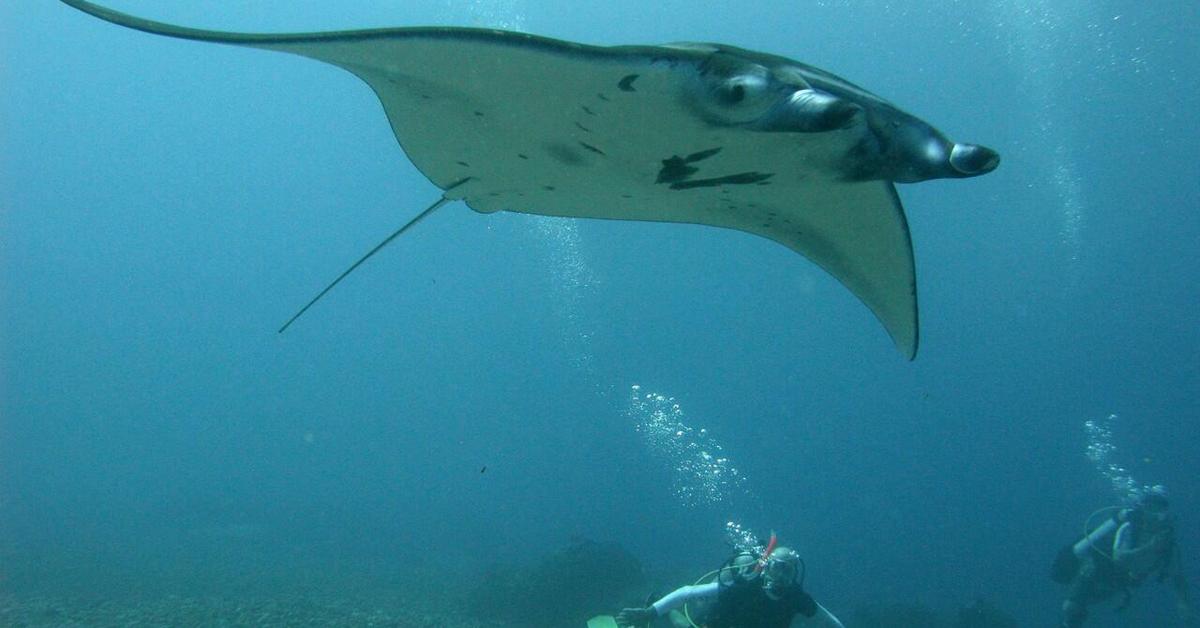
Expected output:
{"points": [[166, 205]]}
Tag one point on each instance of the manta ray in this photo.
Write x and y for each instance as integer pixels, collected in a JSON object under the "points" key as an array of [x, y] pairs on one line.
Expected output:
{"points": [[697, 133]]}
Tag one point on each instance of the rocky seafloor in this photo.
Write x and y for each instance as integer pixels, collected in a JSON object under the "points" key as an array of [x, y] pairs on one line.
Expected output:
{"points": [[296, 609]]}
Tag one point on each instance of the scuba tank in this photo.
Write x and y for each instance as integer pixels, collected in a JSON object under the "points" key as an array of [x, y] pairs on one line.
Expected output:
{"points": [[1066, 563], [1088, 542]]}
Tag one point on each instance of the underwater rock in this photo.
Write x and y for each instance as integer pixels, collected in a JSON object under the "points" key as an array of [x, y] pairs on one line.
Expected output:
{"points": [[564, 588]]}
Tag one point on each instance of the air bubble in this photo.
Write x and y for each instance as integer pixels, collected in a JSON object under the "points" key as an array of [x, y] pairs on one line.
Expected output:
{"points": [[1099, 450], [701, 474]]}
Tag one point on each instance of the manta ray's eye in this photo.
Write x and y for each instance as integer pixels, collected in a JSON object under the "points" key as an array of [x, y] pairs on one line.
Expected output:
{"points": [[735, 91]]}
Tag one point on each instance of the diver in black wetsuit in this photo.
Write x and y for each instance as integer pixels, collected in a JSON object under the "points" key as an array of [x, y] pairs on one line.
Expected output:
{"points": [[1118, 555], [747, 593]]}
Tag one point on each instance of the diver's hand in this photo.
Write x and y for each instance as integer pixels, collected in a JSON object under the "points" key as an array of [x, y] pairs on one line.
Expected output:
{"points": [[636, 616]]}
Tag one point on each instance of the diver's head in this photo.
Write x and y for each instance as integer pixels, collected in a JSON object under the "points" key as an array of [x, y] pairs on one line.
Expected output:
{"points": [[1154, 499], [781, 571], [1152, 506]]}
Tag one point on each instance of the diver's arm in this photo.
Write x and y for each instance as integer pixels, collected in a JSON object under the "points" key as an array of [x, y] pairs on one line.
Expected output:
{"points": [[673, 600], [1124, 549], [821, 619], [683, 595], [1122, 545]]}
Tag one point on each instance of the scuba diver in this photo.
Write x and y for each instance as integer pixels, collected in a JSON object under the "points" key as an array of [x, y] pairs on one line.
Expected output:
{"points": [[747, 592], [1130, 546]]}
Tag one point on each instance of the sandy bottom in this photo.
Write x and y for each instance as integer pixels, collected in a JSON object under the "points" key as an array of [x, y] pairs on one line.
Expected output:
{"points": [[81, 592], [176, 610]]}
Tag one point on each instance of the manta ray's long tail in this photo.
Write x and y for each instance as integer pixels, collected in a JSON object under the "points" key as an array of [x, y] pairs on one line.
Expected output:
{"points": [[395, 234]]}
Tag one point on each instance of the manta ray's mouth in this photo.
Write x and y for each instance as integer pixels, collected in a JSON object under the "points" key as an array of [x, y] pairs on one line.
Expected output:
{"points": [[970, 160]]}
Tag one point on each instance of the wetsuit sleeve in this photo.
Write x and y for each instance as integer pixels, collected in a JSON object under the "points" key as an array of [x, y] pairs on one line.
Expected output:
{"points": [[1122, 541], [683, 595]]}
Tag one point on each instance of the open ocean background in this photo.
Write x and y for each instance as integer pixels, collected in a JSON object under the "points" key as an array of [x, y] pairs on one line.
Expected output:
{"points": [[462, 402]]}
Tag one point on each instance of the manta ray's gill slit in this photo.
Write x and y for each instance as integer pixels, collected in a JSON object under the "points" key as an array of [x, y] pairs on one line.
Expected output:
{"points": [[601, 96], [587, 110], [522, 156], [582, 128]]}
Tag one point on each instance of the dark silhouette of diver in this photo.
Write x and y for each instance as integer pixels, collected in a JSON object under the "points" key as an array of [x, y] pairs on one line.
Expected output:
{"points": [[1129, 547]]}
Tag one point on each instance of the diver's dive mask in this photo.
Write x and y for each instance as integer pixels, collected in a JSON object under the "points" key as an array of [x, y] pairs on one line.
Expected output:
{"points": [[780, 572]]}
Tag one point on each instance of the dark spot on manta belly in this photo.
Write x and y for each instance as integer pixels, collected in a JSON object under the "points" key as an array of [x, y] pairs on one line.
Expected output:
{"points": [[675, 169], [591, 148], [564, 154], [626, 84], [479, 114], [548, 188], [741, 178], [702, 155]]}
